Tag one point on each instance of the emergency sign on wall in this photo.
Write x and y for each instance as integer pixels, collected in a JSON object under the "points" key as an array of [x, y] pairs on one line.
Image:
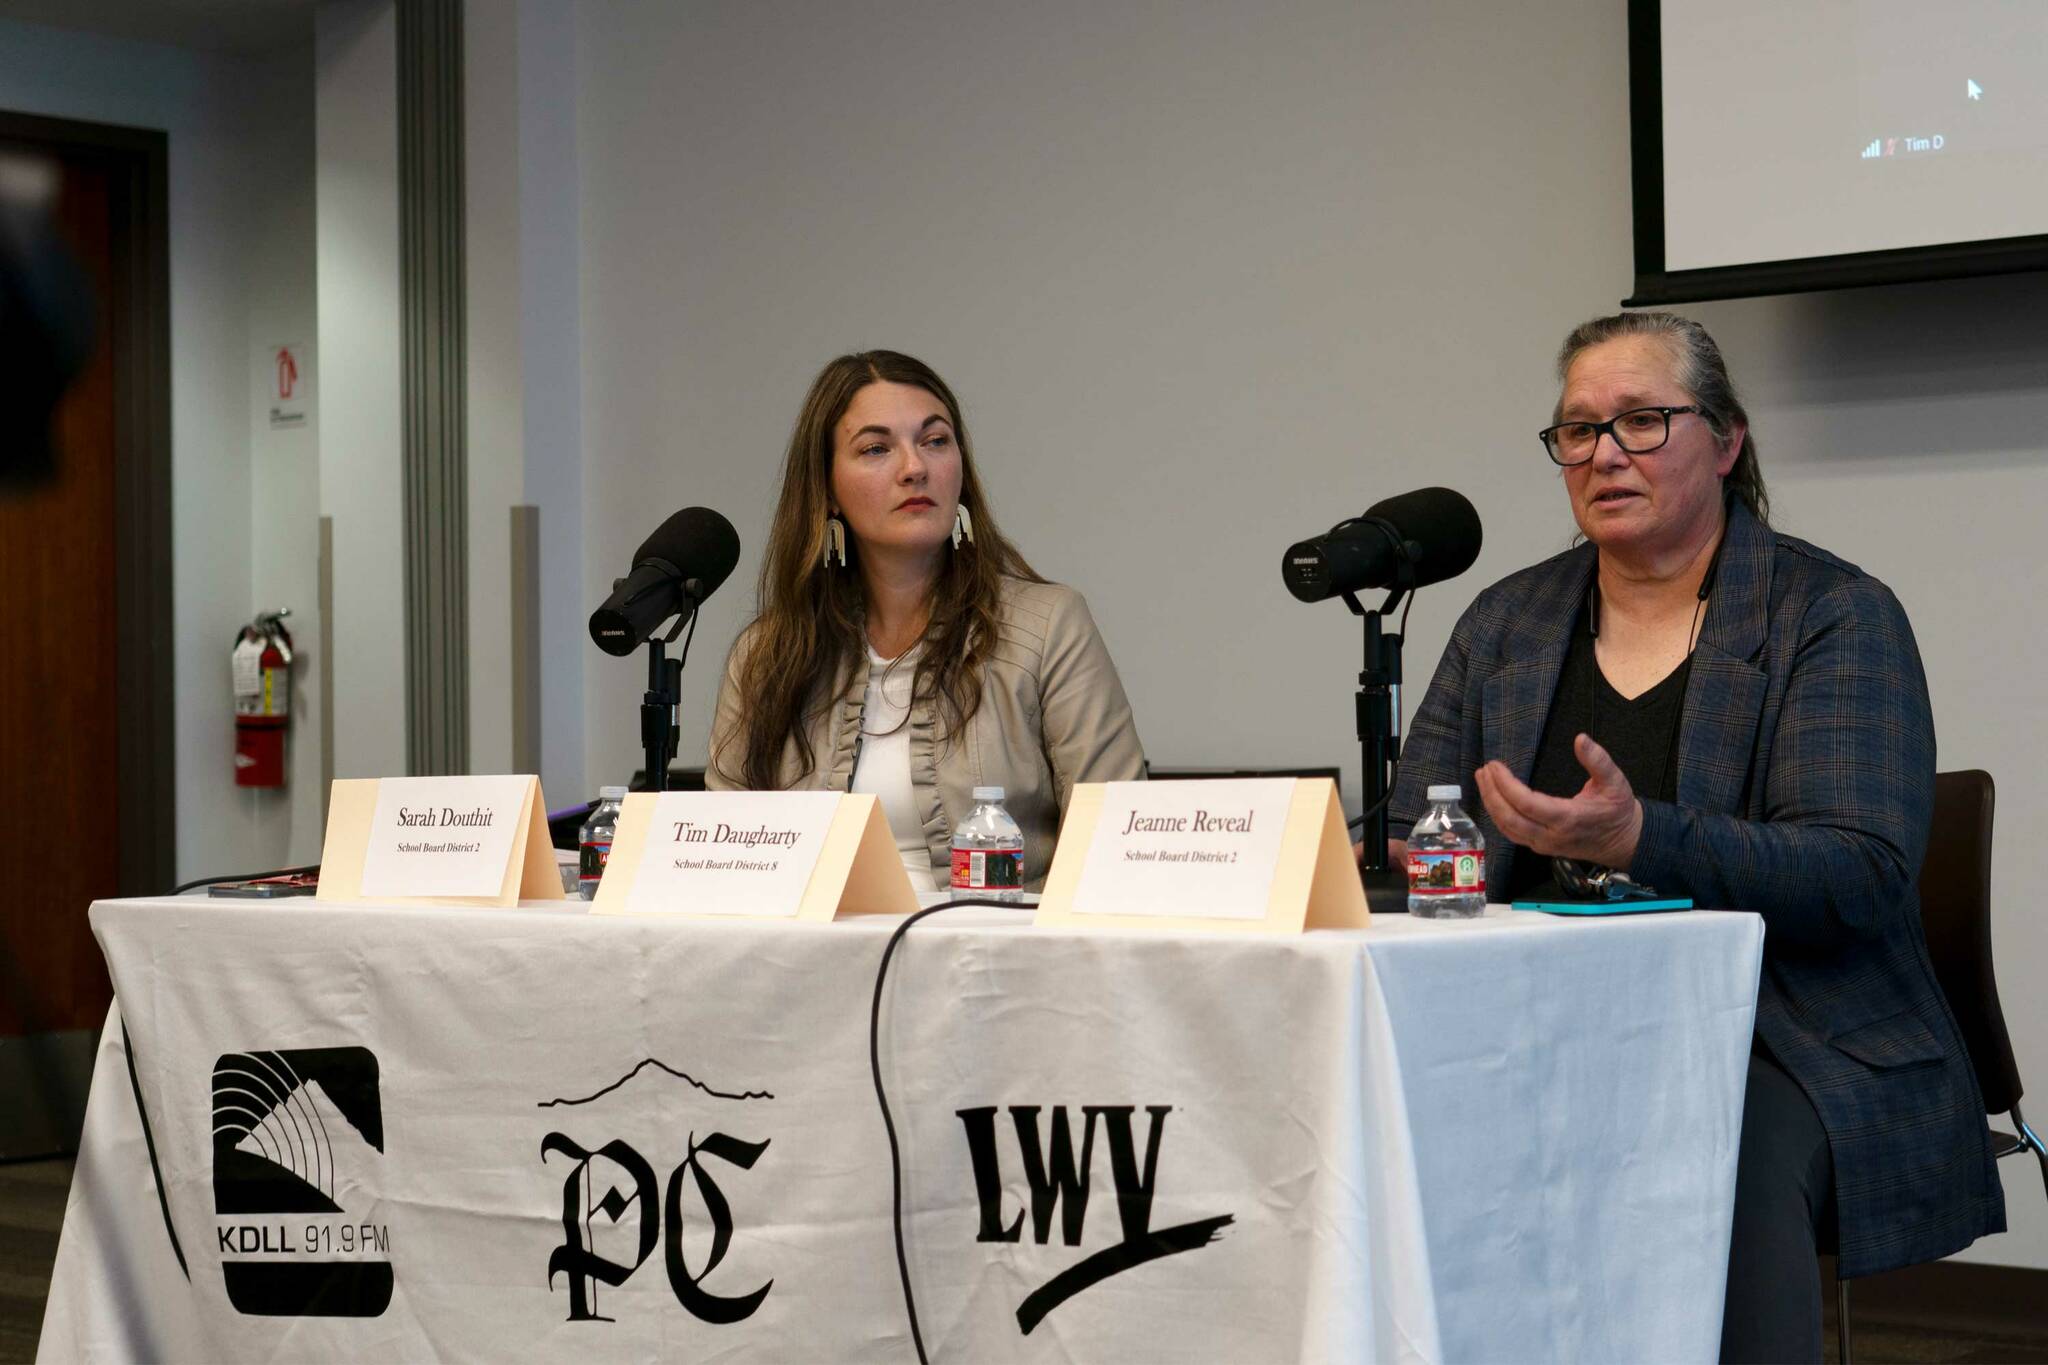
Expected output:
{"points": [[286, 371]]}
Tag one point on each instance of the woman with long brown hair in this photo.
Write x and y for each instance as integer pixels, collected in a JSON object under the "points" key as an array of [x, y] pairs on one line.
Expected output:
{"points": [[903, 646]]}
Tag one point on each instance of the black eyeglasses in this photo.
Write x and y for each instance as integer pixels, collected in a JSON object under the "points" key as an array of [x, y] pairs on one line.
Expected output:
{"points": [[1637, 431]]}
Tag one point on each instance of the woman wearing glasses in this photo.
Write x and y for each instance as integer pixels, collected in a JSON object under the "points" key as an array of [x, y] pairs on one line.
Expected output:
{"points": [[1721, 711], [903, 647]]}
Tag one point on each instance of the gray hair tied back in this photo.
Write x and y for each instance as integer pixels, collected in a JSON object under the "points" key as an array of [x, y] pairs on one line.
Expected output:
{"points": [[1701, 371]]}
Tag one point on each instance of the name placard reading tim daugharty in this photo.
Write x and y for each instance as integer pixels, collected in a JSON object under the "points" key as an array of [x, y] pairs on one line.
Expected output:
{"points": [[1204, 850], [443, 836], [731, 853]]}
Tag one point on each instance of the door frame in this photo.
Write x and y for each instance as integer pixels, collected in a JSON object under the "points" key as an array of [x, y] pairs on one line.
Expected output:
{"points": [[145, 796]]}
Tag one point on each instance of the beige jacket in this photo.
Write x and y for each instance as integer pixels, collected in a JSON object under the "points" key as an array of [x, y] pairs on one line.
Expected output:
{"points": [[1053, 713]]}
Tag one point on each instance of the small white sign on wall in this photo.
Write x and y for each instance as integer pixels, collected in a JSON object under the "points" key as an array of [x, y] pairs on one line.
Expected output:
{"points": [[285, 372]]}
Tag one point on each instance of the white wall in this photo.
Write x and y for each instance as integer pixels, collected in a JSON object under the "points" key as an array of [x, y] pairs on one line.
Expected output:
{"points": [[1168, 254], [356, 94], [551, 378], [239, 133], [495, 453], [523, 368], [524, 371], [1209, 276], [284, 463]]}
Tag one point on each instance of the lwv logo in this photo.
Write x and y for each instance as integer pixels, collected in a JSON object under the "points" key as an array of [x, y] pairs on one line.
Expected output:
{"points": [[1057, 1184]]}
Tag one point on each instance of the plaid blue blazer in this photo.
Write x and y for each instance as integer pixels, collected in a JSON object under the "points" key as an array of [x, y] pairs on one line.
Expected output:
{"points": [[1805, 786]]}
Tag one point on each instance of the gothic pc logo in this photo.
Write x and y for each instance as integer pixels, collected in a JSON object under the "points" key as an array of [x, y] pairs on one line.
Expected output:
{"points": [[296, 1134], [615, 1206]]}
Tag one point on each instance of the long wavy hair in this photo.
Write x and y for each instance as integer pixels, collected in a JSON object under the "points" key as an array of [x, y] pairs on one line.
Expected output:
{"points": [[794, 657], [1701, 372]]}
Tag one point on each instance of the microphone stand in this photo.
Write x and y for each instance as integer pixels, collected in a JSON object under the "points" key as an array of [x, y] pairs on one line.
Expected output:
{"points": [[659, 734], [1379, 740]]}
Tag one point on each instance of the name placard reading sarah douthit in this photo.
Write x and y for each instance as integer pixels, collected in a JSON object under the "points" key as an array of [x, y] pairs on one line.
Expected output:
{"points": [[765, 855], [1243, 854], [473, 840]]}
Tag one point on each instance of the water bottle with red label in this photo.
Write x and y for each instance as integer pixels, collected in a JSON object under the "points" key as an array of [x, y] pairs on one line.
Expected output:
{"points": [[988, 850], [1446, 860], [594, 844]]}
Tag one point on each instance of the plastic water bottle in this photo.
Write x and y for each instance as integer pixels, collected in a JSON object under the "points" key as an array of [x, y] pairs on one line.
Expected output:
{"points": [[1446, 860], [595, 842], [988, 850]]}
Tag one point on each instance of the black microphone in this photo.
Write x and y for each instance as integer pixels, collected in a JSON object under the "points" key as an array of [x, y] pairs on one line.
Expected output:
{"points": [[1433, 533], [674, 570]]}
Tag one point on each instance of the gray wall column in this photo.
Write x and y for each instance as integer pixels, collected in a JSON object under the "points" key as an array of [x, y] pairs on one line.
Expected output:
{"points": [[434, 365]]}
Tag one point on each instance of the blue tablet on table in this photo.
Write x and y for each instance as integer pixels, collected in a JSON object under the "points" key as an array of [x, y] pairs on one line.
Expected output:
{"points": [[1634, 907]]}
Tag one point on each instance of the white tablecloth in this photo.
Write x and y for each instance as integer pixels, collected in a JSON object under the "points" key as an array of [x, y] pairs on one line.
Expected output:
{"points": [[487, 1135]]}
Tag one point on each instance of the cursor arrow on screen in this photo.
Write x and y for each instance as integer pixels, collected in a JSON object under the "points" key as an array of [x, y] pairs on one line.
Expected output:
{"points": [[1976, 91]]}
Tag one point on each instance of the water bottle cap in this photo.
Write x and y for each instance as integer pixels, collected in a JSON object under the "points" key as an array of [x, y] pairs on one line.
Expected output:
{"points": [[988, 793], [611, 793], [1446, 793]]}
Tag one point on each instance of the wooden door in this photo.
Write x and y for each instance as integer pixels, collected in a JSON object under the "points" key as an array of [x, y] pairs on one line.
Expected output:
{"points": [[85, 790], [57, 702]]}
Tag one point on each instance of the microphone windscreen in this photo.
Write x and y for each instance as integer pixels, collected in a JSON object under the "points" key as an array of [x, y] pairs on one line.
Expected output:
{"points": [[1442, 522], [699, 542]]}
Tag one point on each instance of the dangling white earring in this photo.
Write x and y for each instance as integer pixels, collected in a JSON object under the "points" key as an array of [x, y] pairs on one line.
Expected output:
{"points": [[835, 543], [963, 526]]}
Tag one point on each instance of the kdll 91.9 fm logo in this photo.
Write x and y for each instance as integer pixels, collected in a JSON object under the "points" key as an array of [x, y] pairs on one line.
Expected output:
{"points": [[296, 1134]]}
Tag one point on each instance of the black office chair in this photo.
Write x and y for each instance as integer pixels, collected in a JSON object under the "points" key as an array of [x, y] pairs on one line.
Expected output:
{"points": [[1955, 914]]}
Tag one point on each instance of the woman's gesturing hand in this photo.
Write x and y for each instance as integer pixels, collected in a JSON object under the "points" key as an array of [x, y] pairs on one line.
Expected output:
{"points": [[1599, 825]]}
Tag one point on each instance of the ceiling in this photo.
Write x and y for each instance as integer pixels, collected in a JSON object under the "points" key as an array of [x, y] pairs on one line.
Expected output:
{"points": [[242, 27]]}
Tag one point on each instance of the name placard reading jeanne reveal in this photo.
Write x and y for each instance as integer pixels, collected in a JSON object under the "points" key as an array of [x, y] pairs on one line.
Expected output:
{"points": [[1242, 854], [1200, 849], [773, 855], [473, 840]]}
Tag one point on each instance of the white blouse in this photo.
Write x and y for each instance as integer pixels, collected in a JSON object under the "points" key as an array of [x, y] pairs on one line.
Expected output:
{"points": [[883, 768]]}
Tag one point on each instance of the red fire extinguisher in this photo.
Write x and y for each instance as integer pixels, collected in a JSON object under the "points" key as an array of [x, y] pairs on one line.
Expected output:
{"points": [[262, 664]]}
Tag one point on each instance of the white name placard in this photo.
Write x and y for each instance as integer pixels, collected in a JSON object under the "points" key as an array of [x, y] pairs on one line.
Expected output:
{"points": [[443, 836], [1246, 855], [1204, 850], [730, 853]]}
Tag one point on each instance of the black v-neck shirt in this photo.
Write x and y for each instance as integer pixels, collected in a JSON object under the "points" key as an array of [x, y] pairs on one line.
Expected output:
{"points": [[1641, 735]]}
